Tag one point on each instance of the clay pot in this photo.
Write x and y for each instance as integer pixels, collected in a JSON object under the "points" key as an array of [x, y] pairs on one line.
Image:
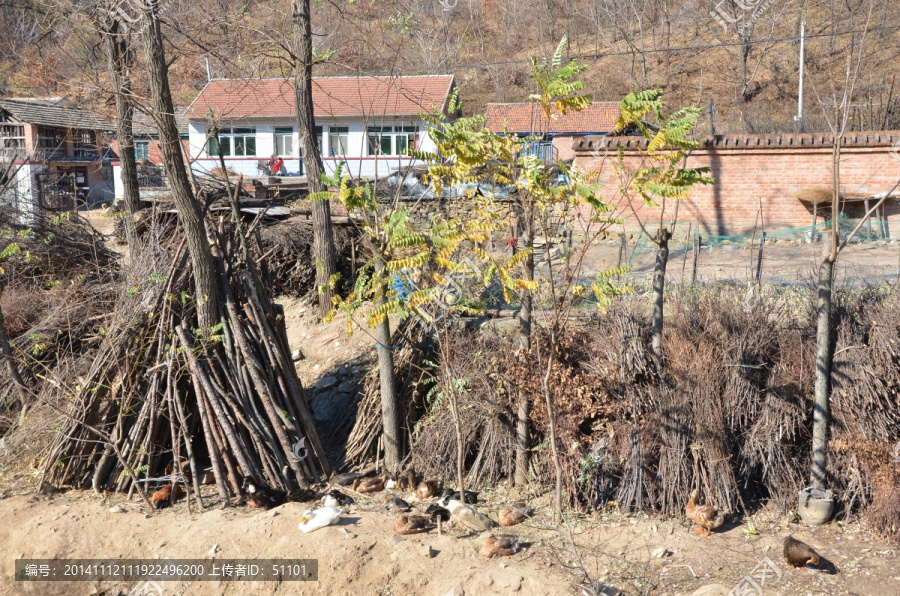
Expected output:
{"points": [[816, 506]]}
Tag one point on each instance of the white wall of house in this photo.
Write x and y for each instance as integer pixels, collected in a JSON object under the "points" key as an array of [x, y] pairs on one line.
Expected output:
{"points": [[359, 163]]}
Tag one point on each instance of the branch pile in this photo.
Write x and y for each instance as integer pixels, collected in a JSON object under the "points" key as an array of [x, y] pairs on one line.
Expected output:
{"points": [[160, 391]]}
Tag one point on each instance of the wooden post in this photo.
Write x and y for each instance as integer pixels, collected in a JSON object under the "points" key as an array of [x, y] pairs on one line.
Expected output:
{"points": [[684, 261], [621, 250], [698, 242], [759, 259]]}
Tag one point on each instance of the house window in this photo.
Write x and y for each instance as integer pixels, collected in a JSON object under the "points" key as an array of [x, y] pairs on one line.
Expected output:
{"points": [[284, 140], [235, 142], [391, 140], [142, 150], [51, 138], [12, 136], [338, 139], [84, 144]]}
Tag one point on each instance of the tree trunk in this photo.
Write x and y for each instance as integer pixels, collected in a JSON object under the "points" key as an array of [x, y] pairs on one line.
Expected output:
{"points": [[551, 421], [460, 448], [659, 286], [390, 409], [7, 353], [523, 452], [119, 59], [323, 236], [189, 210], [822, 406]]}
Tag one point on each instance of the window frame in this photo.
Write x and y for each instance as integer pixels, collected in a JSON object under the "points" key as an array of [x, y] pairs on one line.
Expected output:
{"points": [[389, 140], [282, 134], [339, 133], [240, 141], [141, 150]]}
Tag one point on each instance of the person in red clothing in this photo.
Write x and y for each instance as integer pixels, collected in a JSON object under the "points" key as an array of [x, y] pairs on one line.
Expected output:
{"points": [[277, 167]]}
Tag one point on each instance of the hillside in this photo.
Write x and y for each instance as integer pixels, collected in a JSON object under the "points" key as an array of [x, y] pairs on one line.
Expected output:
{"points": [[747, 69]]}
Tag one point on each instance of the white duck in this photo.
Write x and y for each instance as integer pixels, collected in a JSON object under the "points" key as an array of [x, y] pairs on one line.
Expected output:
{"points": [[324, 516]]}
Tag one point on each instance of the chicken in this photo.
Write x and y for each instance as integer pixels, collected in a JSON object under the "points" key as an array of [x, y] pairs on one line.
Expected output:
{"points": [[163, 497], [708, 517], [267, 498], [799, 554]]}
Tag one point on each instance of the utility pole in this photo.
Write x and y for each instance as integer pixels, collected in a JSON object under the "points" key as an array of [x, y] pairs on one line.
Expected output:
{"points": [[799, 117]]}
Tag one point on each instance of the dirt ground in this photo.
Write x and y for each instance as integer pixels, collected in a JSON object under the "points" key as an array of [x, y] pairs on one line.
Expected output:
{"points": [[627, 554], [362, 555]]}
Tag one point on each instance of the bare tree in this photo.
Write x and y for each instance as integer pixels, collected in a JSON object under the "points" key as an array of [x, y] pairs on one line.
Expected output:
{"points": [[323, 234], [189, 209]]}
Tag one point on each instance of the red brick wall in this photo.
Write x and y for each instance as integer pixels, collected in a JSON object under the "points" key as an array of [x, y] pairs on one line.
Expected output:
{"points": [[564, 147], [751, 176]]}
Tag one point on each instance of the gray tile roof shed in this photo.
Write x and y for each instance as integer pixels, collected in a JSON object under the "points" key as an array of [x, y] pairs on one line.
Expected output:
{"points": [[54, 112]]}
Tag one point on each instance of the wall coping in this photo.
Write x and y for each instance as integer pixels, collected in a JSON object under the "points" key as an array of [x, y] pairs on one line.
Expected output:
{"points": [[591, 144]]}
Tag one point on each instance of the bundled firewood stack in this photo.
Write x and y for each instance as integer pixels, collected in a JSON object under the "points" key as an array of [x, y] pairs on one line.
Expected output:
{"points": [[162, 397]]}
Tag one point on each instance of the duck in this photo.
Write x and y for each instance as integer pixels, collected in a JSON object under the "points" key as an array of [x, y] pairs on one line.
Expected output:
{"points": [[163, 497], [428, 489], [436, 512], [500, 546], [396, 504], [799, 554], [320, 518], [345, 479], [708, 517], [337, 499], [514, 514], [412, 524], [267, 498], [368, 485], [408, 481], [449, 495]]}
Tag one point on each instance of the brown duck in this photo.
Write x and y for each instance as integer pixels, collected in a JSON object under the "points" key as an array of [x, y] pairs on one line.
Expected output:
{"points": [[514, 514], [708, 517], [799, 554], [500, 546], [412, 524], [368, 485], [428, 489]]}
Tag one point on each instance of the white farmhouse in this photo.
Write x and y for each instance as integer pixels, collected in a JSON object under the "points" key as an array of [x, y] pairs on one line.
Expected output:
{"points": [[369, 123]]}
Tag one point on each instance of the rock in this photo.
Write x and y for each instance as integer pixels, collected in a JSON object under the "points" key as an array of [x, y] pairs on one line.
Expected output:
{"points": [[117, 509], [47, 488], [427, 551], [348, 386], [660, 553], [326, 383], [328, 338], [297, 355], [212, 551], [470, 517], [273, 513]]}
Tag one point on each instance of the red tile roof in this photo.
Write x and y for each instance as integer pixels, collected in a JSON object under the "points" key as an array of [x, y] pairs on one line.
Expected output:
{"points": [[332, 96], [523, 118]]}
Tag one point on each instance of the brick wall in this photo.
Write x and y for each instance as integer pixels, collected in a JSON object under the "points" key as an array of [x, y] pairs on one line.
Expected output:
{"points": [[762, 171]]}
